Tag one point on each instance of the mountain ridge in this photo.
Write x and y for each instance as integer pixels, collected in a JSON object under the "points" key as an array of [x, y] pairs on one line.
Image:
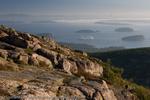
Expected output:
{"points": [[131, 60]]}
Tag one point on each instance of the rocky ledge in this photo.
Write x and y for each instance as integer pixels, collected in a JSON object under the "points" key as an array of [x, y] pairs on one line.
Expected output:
{"points": [[37, 68]]}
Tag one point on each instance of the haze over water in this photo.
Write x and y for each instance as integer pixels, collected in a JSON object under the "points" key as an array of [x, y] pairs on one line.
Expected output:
{"points": [[106, 36]]}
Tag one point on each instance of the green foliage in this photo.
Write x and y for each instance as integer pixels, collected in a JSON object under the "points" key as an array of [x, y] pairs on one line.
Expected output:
{"points": [[135, 63], [141, 92], [113, 76]]}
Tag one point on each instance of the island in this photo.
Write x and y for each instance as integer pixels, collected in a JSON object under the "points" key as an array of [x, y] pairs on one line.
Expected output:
{"points": [[133, 38], [86, 38], [87, 31], [43, 22], [112, 23], [124, 29]]}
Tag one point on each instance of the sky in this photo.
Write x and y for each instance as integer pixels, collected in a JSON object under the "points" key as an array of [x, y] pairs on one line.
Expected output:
{"points": [[71, 9]]}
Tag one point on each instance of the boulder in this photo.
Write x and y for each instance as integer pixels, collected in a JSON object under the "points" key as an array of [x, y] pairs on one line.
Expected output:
{"points": [[86, 90], [89, 69], [103, 89], [36, 47], [34, 43], [25, 36], [14, 40], [68, 66], [106, 92], [80, 67], [14, 56], [51, 55], [6, 46], [41, 61], [71, 93]]}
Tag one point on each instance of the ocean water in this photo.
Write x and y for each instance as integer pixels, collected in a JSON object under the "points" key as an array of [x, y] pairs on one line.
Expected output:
{"points": [[105, 37]]}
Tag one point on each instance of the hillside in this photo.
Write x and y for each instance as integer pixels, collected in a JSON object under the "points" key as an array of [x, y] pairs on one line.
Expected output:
{"points": [[135, 63], [38, 68], [81, 47]]}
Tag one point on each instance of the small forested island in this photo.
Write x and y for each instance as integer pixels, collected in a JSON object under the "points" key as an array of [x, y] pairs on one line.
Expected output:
{"points": [[88, 37], [124, 29], [87, 31], [44, 22], [133, 38], [111, 23]]}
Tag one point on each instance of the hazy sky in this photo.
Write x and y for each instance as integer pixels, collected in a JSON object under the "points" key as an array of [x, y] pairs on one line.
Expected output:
{"points": [[30, 9]]}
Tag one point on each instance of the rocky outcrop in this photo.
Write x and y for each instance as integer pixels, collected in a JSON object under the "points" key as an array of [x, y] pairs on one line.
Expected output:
{"points": [[49, 87], [74, 65], [51, 55], [34, 68], [68, 66], [89, 69]]}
